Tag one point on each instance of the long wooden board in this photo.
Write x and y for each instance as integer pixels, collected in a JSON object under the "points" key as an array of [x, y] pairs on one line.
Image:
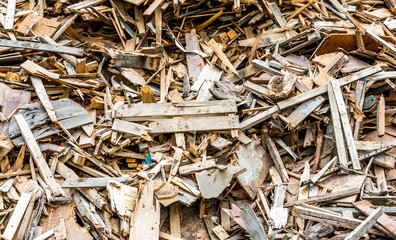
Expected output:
{"points": [[42, 47], [190, 124], [147, 111]]}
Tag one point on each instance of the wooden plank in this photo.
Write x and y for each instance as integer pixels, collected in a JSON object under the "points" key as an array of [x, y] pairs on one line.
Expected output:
{"points": [[37, 155], [211, 76], [194, 61], [196, 167], [44, 99], [152, 7], [148, 111], [339, 136], [9, 19], [92, 182], [129, 127], [345, 124], [189, 124], [363, 228], [303, 111], [174, 220], [253, 225], [326, 198], [17, 216], [42, 47], [384, 220]]}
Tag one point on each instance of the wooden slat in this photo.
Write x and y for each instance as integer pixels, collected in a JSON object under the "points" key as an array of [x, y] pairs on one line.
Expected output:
{"points": [[37, 155]]}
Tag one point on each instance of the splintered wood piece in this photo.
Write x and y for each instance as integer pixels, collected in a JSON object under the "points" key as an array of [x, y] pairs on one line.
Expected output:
{"points": [[9, 19], [335, 65], [217, 49], [303, 192], [384, 220], [42, 47], [252, 223], [145, 221], [209, 21], [280, 166], [381, 117], [345, 124], [363, 228], [194, 61], [42, 94], [17, 216], [37, 155]]}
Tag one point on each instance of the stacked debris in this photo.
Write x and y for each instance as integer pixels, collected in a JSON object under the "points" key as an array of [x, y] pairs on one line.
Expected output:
{"points": [[133, 119]]}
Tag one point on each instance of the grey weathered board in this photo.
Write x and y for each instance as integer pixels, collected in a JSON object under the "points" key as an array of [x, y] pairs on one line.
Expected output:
{"points": [[70, 114]]}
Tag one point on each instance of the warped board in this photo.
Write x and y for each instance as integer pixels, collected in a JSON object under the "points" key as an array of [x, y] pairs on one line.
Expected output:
{"points": [[70, 114], [147, 111], [191, 124]]}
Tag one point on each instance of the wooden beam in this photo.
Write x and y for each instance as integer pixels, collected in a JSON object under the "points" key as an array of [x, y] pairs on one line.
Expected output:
{"points": [[37, 155]]}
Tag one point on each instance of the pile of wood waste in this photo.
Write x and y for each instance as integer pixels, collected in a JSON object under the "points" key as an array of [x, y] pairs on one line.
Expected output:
{"points": [[210, 119]]}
